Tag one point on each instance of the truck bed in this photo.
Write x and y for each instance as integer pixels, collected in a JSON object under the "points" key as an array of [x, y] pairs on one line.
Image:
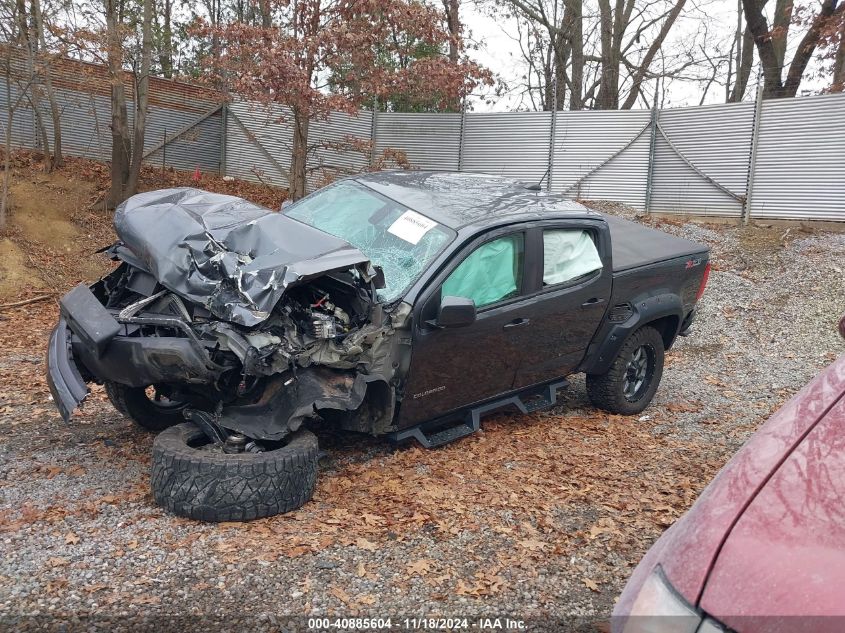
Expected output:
{"points": [[635, 245]]}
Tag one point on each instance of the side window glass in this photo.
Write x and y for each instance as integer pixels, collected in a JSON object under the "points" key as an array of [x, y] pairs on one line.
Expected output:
{"points": [[491, 273], [567, 255]]}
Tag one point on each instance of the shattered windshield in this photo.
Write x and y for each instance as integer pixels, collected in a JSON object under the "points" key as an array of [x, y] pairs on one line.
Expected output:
{"points": [[400, 240]]}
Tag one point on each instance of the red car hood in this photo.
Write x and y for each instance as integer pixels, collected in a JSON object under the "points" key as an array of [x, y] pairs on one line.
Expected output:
{"points": [[786, 554], [689, 550]]}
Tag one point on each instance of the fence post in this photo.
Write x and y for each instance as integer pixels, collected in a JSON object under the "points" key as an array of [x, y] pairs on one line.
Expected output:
{"points": [[224, 138], [752, 161], [373, 133], [461, 138], [550, 169], [649, 182]]}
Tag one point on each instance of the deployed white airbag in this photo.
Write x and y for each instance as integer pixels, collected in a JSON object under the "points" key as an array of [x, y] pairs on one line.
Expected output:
{"points": [[568, 254]]}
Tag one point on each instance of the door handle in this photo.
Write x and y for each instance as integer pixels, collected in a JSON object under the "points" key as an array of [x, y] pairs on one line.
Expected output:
{"points": [[595, 301], [518, 322]]}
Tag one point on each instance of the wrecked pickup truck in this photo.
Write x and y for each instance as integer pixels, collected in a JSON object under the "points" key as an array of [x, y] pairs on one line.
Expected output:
{"points": [[401, 304]]}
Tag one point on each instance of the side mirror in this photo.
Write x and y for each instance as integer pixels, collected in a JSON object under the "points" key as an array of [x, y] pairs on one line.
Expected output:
{"points": [[456, 312]]}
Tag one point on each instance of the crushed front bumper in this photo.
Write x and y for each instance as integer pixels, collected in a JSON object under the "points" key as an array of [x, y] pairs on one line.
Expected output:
{"points": [[63, 376], [90, 344]]}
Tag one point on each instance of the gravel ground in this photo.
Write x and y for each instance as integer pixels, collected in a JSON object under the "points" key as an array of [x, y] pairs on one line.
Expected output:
{"points": [[537, 517]]}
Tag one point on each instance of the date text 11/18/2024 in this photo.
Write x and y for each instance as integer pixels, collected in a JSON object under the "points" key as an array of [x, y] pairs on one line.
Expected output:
{"points": [[416, 624]]}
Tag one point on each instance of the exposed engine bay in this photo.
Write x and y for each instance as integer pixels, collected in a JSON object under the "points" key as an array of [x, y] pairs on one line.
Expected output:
{"points": [[250, 320], [320, 352]]}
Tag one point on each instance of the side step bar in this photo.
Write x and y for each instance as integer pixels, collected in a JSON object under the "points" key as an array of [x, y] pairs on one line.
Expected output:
{"points": [[526, 402]]}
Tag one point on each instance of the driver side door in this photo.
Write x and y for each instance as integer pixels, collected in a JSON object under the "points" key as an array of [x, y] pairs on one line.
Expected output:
{"points": [[452, 367]]}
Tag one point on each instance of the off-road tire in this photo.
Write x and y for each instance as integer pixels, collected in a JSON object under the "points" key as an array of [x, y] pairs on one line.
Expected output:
{"points": [[214, 486], [607, 391], [133, 403]]}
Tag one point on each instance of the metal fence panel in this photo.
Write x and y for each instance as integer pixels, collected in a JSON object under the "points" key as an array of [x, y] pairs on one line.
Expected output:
{"points": [[86, 127], [513, 144], [429, 140], [594, 155], [198, 147], [342, 146], [86, 123], [717, 140], [800, 170], [602, 155], [258, 143], [23, 125]]}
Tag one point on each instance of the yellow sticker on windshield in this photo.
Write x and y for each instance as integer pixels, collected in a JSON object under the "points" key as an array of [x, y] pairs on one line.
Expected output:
{"points": [[411, 226]]}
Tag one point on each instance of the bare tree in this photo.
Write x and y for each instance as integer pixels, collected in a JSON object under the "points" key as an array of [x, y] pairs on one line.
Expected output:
{"points": [[163, 19], [45, 67], [838, 83], [744, 66], [120, 134], [602, 60], [771, 44], [453, 25], [142, 93]]}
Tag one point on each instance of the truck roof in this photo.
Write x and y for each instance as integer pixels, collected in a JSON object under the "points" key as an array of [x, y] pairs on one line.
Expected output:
{"points": [[457, 199]]}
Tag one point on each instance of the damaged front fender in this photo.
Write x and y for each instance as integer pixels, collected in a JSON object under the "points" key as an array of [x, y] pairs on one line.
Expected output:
{"points": [[287, 401]]}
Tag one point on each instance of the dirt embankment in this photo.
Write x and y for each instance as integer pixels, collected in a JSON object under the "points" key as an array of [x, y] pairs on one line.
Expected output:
{"points": [[57, 221]]}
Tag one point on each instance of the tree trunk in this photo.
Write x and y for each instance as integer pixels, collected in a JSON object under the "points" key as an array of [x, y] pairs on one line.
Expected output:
{"points": [[560, 57], [10, 119], [38, 19], [299, 155], [453, 23], [165, 57], [30, 42], [608, 96], [771, 57], [20, 15], [759, 29], [806, 49], [142, 92], [780, 29], [266, 13], [743, 72], [839, 61], [573, 25], [121, 142]]}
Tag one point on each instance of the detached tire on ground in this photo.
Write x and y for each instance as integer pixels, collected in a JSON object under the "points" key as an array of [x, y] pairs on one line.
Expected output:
{"points": [[153, 412], [194, 479], [628, 386]]}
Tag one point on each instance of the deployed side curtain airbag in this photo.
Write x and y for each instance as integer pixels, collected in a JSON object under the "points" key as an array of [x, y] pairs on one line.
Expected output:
{"points": [[487, 275], [568, 254]]}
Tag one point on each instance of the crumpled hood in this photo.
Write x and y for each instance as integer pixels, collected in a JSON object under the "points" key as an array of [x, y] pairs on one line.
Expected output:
{"points": [[233, 257]]}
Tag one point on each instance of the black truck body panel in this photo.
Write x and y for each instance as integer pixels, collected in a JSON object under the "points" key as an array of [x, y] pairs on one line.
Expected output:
{"points": [[394, 367], [636, 246]]}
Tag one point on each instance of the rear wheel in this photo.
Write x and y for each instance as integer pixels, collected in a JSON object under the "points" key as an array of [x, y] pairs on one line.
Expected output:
{"points": [[630, 383], [195, 478], [150, 407]]}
